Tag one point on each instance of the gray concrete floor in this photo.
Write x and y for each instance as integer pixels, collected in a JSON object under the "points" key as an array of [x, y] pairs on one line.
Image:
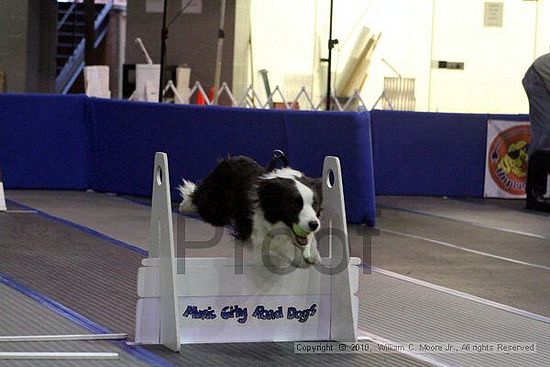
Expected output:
{"points": [[20, 315], [468, 225], [415, 251], [489, 249]]}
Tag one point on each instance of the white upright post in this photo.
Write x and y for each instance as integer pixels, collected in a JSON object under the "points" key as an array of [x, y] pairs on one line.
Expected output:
{"points": [[2, 198], [183, 77], [96, 81], [343, 320], [162, 247], [147, 81], [219, 52]]}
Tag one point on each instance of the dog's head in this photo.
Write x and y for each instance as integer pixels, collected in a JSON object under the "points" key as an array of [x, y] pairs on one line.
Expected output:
{"points": [[289, 197]]}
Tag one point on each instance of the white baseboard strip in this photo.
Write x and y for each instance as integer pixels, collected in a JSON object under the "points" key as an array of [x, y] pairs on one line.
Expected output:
{"points": [[21, 211], [56, 355], [44, 338]]}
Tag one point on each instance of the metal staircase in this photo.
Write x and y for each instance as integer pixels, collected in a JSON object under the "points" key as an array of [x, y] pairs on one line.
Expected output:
{"points": [[71, 28]]}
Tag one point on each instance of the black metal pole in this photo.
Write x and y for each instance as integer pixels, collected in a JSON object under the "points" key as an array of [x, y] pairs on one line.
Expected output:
{"points": [[164, 37], [331, 44], [89, 20]]}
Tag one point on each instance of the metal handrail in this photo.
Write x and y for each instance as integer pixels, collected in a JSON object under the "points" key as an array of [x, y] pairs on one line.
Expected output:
{"points": [[66, 16], [103, 14], [70, 71], [75, 63]]}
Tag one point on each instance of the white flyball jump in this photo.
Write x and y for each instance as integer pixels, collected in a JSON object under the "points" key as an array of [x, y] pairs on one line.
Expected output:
{"points": [[215, 301]]}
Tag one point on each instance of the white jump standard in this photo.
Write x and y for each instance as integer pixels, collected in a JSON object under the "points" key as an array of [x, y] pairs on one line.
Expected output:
{"points": [[210, 303]]}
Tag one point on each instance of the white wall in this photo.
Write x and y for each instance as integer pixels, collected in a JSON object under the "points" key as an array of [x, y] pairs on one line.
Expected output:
{"points": [[282, 42], [414, 32], [405, 26], [495, 58], [241, 54], [543, 29]]}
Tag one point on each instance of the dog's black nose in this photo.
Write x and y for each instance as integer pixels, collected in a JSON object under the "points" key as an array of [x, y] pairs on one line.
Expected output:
{"points": [[313, 225]]}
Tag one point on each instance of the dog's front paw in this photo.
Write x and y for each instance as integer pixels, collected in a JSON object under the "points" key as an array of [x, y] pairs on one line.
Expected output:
{"points": [[313, 257], [300, 262], [311, 254]]}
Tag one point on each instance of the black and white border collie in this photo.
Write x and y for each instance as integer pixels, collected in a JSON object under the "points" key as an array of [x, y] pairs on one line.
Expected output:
{"points": [[278, 208]]}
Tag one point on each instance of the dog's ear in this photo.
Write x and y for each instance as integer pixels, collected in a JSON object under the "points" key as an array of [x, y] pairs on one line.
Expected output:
{"points": [[273, 196], [318, 189], [272, 189], [315, 184]]}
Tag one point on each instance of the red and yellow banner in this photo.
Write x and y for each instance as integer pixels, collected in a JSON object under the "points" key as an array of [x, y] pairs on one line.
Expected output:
{"points": [[506, 160]]}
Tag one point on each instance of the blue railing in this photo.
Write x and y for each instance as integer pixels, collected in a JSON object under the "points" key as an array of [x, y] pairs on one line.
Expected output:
{"points": [[75, 63]]}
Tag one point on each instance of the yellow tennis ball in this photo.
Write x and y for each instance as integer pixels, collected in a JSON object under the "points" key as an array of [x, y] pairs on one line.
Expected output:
{"points": [[299, 231]]}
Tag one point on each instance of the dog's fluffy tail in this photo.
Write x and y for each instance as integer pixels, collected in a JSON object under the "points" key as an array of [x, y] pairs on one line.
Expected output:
{"points": [[186, 191]]}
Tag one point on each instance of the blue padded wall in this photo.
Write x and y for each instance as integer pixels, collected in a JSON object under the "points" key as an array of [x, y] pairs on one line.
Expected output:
{"points": [[44, 142], [75, 142], [311, 137], [195, 138], [433, 154], [429, 153], [128, 134], [520, 117]]}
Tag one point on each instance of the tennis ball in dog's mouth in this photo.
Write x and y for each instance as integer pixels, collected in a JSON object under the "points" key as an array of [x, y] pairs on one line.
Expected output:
{"points": [[299, 231]]}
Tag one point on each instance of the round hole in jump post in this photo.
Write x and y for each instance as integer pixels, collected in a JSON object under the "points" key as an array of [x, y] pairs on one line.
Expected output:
{"points": [[158, 176], [330, 179]]}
